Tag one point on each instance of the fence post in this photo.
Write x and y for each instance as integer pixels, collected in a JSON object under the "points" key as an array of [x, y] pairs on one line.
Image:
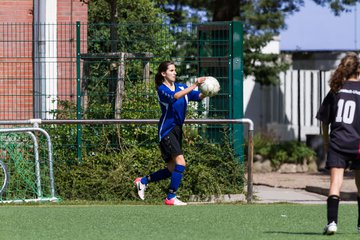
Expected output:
{"points": [[250, 163], [78, 90], [236, 66]]}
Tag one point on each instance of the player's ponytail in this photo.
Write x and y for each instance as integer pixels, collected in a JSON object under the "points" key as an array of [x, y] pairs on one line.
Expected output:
{"points": [[349, 67], [159, 79]]}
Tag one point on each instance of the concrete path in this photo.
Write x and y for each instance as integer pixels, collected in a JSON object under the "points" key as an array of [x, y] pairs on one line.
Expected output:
{"points": [[307, 188], [266, 194], [302, 188]]}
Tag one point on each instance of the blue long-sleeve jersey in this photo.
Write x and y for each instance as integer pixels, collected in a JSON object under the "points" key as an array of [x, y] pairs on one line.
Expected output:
{"points": [[173, 110]]}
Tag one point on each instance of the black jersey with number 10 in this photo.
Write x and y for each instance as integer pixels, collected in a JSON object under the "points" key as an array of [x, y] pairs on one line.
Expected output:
{"points": [[342, 111]]}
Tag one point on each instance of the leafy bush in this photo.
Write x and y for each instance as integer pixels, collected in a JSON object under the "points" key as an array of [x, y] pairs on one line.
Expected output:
{"points": [[279, 152], [211, 170]]}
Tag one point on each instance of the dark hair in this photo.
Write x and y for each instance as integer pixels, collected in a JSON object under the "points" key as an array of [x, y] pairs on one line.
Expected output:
{"points": [[159, 79], [349, 67]]}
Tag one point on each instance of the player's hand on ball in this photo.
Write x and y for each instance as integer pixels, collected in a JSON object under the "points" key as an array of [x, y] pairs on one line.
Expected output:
{"points": [[200, 80], [210, 86]]}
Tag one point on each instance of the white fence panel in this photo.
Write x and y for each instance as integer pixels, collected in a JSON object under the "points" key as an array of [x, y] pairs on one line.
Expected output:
{"points": [[289, 109]]}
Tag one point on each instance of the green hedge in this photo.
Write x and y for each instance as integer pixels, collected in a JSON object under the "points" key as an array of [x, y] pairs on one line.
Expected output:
{"points": [[211, 170]]}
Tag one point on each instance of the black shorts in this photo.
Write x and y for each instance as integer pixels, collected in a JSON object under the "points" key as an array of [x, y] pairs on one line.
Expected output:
{"points": [[171, 144], [342, 160]]}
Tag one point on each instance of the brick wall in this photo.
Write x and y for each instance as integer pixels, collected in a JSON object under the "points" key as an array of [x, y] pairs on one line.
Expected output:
{"points": [[16, 59], [69, 11], [16, 67]]}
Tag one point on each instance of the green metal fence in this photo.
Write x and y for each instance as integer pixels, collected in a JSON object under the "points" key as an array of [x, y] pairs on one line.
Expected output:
{"points": [[106, 71]]}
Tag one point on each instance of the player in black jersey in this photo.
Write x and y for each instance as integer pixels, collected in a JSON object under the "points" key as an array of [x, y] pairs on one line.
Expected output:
{"points": [[341, 110]]}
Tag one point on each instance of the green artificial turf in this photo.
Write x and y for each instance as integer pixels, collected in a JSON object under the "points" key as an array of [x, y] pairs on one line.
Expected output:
{"points": [[254, 221]]}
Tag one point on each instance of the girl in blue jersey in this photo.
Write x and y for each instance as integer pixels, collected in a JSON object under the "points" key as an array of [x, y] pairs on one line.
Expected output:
{"points": [[173, 98], [341, 110]]}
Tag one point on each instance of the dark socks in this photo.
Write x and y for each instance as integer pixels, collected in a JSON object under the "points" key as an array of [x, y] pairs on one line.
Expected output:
{"points": [[333, 208], [156, 176], [176, 177], [160, 175]]}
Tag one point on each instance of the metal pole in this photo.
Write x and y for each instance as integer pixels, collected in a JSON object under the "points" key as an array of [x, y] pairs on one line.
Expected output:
{"points": [[125, 121], [250, 182], [37, 164], [78, 89]]}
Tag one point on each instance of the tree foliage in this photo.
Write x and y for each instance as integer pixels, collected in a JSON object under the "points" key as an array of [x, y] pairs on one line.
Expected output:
{"points": [[262, 20], [337, 6], [139, 11]]}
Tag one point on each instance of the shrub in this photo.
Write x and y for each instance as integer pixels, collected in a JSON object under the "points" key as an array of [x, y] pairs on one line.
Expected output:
{"points": [[211, 170], [279, 152]]}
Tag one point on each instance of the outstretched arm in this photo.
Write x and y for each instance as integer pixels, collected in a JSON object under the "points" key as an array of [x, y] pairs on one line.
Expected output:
{"points": [[197, 83]]}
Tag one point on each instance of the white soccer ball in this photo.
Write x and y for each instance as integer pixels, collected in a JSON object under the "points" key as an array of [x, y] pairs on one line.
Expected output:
{"points": [[210, 87]]}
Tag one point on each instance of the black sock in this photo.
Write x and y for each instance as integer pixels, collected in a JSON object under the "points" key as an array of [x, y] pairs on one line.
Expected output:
{"points": [[333, 208], [358, 201]]}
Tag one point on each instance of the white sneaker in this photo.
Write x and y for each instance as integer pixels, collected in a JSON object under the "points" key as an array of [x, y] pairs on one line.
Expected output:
{"points": [[174, 202], [330, 229], [140, 188]]}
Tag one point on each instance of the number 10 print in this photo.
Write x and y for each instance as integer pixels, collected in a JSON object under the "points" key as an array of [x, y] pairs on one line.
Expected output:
{"points": [[346, 111]]}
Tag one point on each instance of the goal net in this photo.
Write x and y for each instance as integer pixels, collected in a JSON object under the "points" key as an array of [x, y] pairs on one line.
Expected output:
{"points": [[25, 155]]}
